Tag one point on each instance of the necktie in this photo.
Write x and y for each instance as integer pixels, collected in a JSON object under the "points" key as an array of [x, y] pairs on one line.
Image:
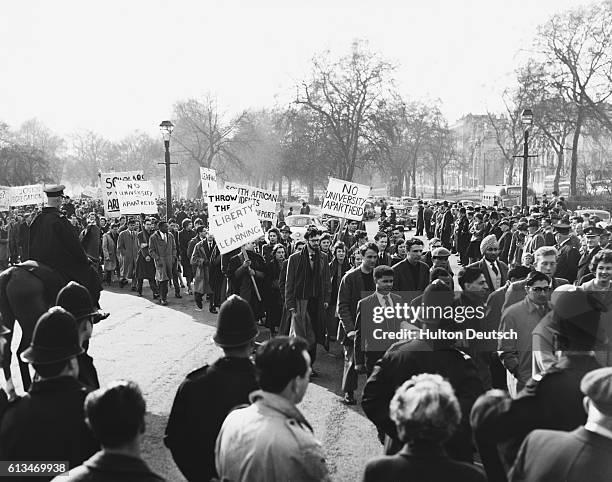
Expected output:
{"points": [[387, 300], [494, 268]]}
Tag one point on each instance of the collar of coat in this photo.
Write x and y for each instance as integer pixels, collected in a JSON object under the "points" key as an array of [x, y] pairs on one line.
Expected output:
{"points": [[279, 404]]}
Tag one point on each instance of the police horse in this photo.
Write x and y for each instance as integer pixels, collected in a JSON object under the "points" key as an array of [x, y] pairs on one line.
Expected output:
{"points": [[27, 290]]}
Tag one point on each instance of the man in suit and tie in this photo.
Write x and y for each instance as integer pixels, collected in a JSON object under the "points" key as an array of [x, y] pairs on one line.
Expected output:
{"points": [[373, 348], [382, 240], [584, 453], [569, 257], [494, 270], [545, 262], [592, 234]]}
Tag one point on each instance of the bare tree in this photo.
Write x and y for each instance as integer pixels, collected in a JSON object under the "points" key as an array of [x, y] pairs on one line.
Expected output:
{"points": [[576, 46], [344, 93]]}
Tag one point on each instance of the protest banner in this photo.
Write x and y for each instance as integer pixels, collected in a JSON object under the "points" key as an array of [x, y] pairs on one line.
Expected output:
{"points": [[109, 192], [220, 201], [209, 180], [5, 198], [345, 199], [27, 195], [136, 197], [263, 200], [235, 227]]}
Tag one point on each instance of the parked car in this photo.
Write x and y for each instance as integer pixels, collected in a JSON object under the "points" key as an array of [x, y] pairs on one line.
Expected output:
{"points": [[601, 214], [413, 214], [300, 222]]}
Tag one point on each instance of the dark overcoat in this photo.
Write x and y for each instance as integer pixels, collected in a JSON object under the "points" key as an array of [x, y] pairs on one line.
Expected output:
{"points": [[201, 404], [144, 269], [48, 423]]}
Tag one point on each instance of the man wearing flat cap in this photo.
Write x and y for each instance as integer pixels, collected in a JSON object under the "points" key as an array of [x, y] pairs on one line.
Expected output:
{"points": [[48, 423], [568, 257], [54, 243], [577, 456], [209, 393]]}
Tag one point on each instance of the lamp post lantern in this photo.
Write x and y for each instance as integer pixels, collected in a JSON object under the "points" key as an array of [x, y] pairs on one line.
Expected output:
{"points": [[526, 120], [166, 128]]}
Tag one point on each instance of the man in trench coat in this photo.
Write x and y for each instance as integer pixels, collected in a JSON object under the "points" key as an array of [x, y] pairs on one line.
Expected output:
{"points": [[127, 249], [162, 248]]}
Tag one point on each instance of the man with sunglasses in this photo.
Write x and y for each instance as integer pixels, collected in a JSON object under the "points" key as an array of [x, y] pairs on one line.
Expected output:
{"points": [[519, 321]]}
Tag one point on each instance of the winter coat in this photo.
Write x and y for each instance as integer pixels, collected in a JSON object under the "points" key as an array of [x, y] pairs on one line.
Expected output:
{"points": [[200, 263], [127, 249], [164, 255], [109, 249]]}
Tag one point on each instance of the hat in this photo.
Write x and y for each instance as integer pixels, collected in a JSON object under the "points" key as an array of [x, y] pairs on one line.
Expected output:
{"points": [[55, 338], [569, 301], [76, 300], [286, 229], [488, 241], [54, 190], [562, 228], [236, 323], [440, 252], [597, 385], [521, 226], [533, 223], [593, 231]]}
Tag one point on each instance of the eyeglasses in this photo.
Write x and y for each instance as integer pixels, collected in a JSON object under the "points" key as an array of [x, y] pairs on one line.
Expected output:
{"points": [[539, 289]]}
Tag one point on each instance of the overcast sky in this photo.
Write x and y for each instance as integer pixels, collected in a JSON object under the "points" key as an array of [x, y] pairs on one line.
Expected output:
{"points": [[119, 65]]}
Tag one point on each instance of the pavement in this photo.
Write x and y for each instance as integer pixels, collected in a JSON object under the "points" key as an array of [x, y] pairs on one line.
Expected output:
{"points": [[157, 346]]}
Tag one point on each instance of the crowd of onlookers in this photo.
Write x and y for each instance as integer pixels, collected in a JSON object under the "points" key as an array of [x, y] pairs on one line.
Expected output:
{"points": [[533, 402]]}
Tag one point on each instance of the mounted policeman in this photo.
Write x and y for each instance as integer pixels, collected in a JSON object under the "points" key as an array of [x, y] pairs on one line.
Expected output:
{"points": [[54, 243]]}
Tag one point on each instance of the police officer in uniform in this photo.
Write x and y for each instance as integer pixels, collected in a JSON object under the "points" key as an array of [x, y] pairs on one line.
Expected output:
{"points": [[54, 243], [208, 394]]}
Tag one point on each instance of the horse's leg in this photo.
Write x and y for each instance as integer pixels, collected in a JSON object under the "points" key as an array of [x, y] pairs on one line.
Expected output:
{"points": [[8, 320], [26, 293]]}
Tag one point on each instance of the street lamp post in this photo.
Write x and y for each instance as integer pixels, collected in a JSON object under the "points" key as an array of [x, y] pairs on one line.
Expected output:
{"points": [[526, 120], [166, 128]]}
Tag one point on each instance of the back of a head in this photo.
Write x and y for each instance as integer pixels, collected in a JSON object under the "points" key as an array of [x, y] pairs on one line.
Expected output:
{"points": [[115, 413], [425, 408], [279, 361]]}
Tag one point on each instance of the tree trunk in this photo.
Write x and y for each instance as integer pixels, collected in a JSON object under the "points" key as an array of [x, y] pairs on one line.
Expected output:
{"points": [[288, 187], [406, 188], [558, 169], [435, 179], [442, 181], [280, 186], [311, 191], [414, 179], [574, 161], [510, 174]]}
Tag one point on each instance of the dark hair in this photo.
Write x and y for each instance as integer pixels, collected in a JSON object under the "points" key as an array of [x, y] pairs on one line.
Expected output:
{"points": [[519, 272], [399, 241], [338, 245], [49, 370], [535, 276], [185, 223], [171, 220], [115, 413], [199, 229], [603, 256], [468, 275], [383, 270], [325, 236], [280, 360], [311, 231], [276, 247], [359, 234], [299, 243], [413, 242], [275, 231], [364, 247], [379, 235], [438, 273]]}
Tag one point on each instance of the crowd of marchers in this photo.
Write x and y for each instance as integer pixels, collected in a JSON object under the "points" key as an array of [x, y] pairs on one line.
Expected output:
{"points": [[535, 406]]}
